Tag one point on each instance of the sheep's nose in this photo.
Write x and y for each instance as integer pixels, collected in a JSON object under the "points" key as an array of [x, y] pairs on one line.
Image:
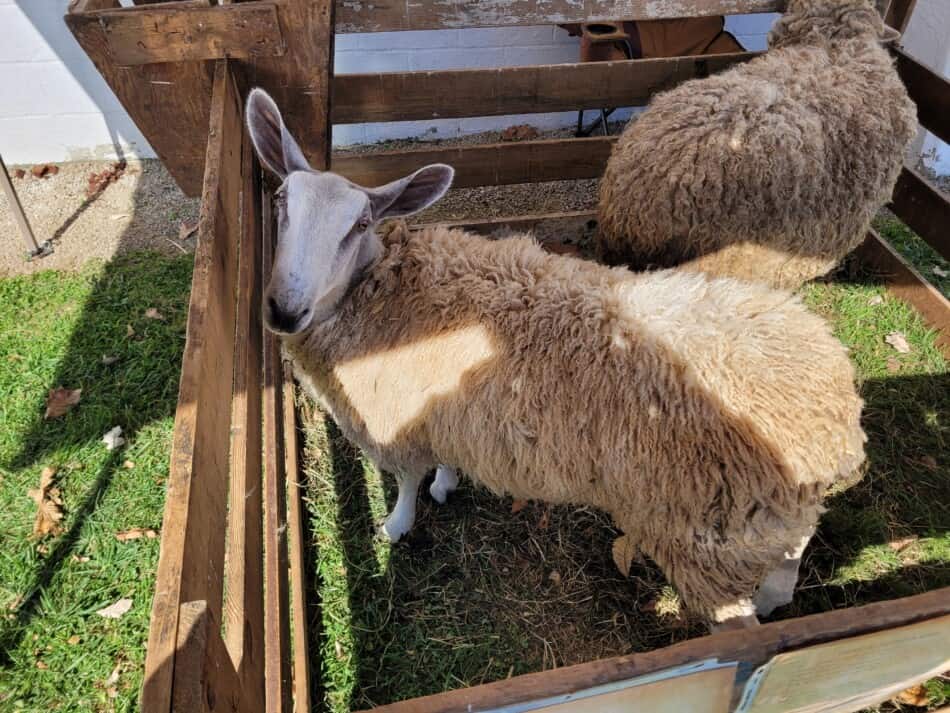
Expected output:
{"points": [[282, 320]]}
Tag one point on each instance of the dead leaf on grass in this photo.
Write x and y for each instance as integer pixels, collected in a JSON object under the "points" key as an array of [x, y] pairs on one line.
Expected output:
{"points": [[555, 577], [187, 229], [73, 640], [898, 341], [129, 332], [42, 665], [113, 439], [876, 300], [49, 505], [624, 551], [128, 465], [914, 696], [902, 543], [152, 313], [893, 364], [109, 359], [116, 611], [939, 272], [517, 506], [545, 519], [60, 401], [136, 533], [929, 462]]}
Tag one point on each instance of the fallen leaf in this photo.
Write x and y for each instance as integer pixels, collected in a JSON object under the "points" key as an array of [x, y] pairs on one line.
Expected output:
{"points": [[115, 611], [112, 692], [517, 506], [187, 229], [929, 462], [113, 677], [545, 519], [49, 505], [60, 401], [42, 666], [898, 341], [893, 364], [83, 558], [129, 332], [902, 543], [73, 640], [152, 313], [128, 465], [113, 439], [624, 551], [914, 696], [135, 533], [555, 577], [519, 132], [876, 300], [109, 359], [14, 357], [940, 272], [338, 647]]}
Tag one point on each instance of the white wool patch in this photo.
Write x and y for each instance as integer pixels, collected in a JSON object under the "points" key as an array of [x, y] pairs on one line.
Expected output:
{"points": [[394, 389]]}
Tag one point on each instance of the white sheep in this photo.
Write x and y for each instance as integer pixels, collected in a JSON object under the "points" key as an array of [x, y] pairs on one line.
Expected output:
{"points": [[708, 417]]}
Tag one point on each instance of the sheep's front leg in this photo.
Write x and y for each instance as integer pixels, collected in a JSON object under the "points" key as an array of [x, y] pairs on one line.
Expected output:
{"points": [[402, 517], [446, 481]]}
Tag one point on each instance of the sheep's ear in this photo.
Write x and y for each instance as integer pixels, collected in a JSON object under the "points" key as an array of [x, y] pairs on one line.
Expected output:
{"points": [[275, 146], [411, 194]]}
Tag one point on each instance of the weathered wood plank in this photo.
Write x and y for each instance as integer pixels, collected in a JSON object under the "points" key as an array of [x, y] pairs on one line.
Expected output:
{"points": [[295, 540], [487, 165], [403, 96], [190, 565], [924, 208], [359, 16], [905, 282], [929, 90], [753, 646], [169, 102], [299, 81], [205, 680], [171, 33], [244, 601], [277, 670], [898, 13]]}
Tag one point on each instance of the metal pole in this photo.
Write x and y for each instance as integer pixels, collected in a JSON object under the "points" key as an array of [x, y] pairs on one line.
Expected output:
{"points": [[33, 248]]}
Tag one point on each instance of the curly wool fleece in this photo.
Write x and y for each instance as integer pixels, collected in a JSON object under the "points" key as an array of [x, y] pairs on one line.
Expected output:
{"points": [[772, 170], [707, 416]]}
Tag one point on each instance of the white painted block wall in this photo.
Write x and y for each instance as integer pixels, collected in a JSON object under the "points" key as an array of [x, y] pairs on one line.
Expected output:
{"points": [[54, 106]]}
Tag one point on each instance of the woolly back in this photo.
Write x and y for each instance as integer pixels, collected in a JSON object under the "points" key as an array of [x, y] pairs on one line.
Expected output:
{"points": [[816, 22]]}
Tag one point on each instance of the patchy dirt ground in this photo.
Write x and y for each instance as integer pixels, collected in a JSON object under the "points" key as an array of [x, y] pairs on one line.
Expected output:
{"points": [[143, 209]]}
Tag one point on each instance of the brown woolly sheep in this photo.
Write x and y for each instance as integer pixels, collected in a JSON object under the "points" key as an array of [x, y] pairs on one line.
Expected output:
{"points": [[772, 170], [707, 416]]}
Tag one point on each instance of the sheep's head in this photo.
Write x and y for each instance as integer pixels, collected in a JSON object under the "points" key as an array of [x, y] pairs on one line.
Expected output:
{"points": [[326, 224], [809, 22]]}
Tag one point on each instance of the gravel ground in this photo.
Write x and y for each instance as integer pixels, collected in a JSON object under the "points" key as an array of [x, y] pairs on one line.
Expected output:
{"points": [[142, 210]]}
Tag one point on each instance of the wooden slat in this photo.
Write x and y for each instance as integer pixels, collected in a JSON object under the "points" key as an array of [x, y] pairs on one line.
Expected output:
{"points": [[909, 285], [277, 672], [205, 680], [929, 90], [924, 208], [487, 165], [360, 16], [300, 80], [295, 540], [175, 33], [751, 646], [190, 565], [563, 222], [403, 96], [169, 102], [898, 13], [244, 601]]}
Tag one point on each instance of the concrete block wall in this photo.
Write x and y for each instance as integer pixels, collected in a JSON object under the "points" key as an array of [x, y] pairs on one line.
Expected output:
{"points": [[54, 106]]}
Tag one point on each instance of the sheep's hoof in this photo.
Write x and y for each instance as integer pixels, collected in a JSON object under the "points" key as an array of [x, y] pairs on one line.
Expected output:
{"points": [[394, 528]]}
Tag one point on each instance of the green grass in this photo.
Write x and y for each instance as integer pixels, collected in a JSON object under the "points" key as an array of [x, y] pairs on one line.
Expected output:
{"points": [[469, 597], [54, 330], [918, 252]]}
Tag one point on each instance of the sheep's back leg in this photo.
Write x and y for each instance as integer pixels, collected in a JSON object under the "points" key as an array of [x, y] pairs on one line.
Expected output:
{"points": [[446, 481], [401, 519], [778, 587]]}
